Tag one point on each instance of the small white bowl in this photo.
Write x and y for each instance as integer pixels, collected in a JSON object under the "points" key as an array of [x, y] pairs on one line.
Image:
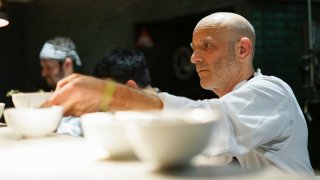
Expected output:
{"points": [[168, 139], [30, 100], [33, 122], [105, 135]]}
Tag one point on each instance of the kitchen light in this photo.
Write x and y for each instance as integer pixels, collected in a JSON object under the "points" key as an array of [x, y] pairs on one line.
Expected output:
{"points": [[4, 18]]}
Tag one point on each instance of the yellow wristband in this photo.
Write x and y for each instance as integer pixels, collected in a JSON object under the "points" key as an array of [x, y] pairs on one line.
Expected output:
{"points": [[107, 96]]}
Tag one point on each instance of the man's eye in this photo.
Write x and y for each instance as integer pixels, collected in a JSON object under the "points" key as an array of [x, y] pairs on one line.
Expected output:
{"points": [[202, 47], [206, 46]]}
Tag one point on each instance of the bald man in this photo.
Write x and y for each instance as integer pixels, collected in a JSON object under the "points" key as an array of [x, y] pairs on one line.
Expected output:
{"points": [[262, 124]]}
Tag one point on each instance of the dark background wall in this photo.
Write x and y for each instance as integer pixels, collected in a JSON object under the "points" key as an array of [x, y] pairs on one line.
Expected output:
{"points": [[99, 25]]}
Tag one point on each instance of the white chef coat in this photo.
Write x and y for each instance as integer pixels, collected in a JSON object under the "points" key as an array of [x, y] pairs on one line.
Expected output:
{"points": [[70, 125], [261, 124]]}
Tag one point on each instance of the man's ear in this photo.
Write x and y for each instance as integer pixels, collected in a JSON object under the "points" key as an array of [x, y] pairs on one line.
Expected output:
{"points": [[132, 84], [68, 66], [244, 49]]}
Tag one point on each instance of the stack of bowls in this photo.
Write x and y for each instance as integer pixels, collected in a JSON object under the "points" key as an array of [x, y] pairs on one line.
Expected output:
{"points": [[28, 119]]}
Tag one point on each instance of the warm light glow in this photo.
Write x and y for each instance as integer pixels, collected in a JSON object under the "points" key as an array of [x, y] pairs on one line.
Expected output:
{"points": [[144, 39], [3, 22]]}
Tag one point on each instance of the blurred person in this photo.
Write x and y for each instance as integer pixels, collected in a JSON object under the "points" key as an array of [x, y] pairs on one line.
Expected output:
{"points": [[262, 124], [58, 58], [125, 65], [121, 64]]}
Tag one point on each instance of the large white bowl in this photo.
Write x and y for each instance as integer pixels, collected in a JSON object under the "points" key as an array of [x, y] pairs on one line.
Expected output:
{"points": [[30, 100], [168, 139], [105, 135], [33, 122]]}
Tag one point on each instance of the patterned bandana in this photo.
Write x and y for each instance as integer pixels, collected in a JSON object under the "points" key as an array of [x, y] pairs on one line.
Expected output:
{"points": [[50, 51]]}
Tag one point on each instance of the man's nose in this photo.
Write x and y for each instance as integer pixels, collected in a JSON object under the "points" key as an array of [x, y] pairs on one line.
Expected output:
{"points": [[44, 72], [196, 57]]}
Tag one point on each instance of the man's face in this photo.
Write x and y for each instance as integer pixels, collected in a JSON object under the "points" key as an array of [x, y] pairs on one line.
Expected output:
{"points": [[52, 71], [213, 56]]}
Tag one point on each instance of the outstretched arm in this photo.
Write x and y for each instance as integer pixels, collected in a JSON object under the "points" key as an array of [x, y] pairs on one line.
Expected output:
{"points": [[80, 94]]}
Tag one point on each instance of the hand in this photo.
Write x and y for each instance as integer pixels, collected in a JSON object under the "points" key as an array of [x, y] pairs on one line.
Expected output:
{"points": [[78, 94]]}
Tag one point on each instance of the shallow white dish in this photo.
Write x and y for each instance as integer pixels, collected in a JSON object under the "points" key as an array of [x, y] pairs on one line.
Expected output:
{"points": [[33, 122], [168, 139], [105, 135], [30, 100]]}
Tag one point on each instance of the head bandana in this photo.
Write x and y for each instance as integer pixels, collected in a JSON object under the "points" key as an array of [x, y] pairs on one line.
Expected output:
{"points": [[50, 51]]}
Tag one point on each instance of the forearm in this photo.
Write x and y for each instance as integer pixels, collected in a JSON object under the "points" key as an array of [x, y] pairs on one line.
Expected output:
{"points": [[126, 98]]}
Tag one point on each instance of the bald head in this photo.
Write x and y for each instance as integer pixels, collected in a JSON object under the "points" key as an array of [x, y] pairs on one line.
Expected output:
{"points": [[235, 24], [223, 50]]}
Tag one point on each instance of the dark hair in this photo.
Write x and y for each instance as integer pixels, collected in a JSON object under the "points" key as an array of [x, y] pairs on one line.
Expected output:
{"points": [[123, 64]]}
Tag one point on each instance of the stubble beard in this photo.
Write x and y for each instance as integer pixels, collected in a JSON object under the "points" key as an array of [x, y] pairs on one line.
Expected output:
{"points": [[57, 78], [219, 75]]}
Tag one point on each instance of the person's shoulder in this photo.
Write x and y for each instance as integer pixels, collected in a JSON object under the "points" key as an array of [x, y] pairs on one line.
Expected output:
{"points": [[271, 80], [269, 83]]}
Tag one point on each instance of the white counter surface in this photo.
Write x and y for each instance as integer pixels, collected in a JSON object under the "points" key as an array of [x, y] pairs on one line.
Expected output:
{"points": [[66, 157]]}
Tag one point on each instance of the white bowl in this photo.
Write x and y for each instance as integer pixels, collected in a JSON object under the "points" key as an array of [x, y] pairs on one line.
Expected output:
{"points": [[2, 105], [30, 100], [105, 135], [168, 139], [33, 122]]}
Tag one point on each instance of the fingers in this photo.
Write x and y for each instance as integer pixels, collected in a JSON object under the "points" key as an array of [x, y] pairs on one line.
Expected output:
{"points": [[53, 100], [59, 95], [61, 92], [77, 94], [67, 80], [68, 108], [57, 99], [46, 104]]}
